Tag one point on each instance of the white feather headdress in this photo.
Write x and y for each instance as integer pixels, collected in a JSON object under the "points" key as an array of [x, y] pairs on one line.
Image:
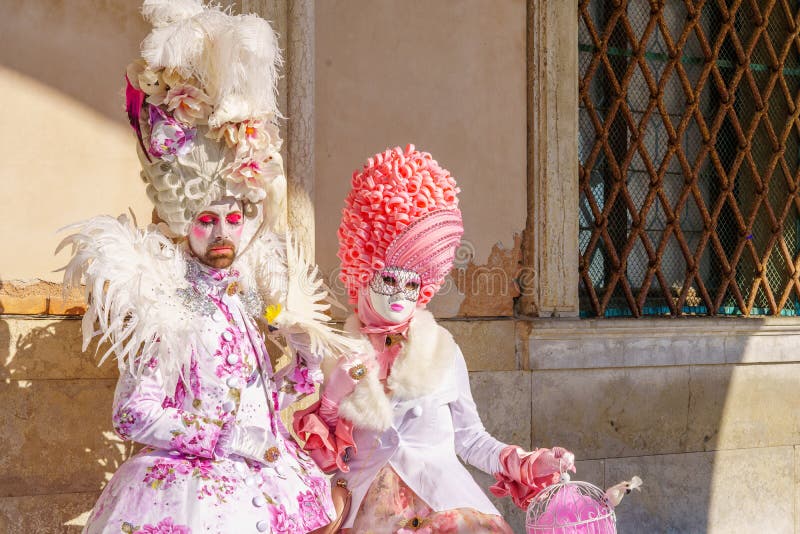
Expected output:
{"points": [[203, 103], [235, 58]]}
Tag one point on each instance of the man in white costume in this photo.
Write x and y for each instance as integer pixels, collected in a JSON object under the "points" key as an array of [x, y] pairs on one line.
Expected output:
{"points": [[184, 305]]}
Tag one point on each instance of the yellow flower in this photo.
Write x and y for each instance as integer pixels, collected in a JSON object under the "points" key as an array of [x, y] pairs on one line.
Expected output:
{"points": [[272, 312]]}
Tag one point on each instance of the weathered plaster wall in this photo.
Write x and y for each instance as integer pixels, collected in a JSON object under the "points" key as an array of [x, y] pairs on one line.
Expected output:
{"points": [[429, 73], [65, 147]]}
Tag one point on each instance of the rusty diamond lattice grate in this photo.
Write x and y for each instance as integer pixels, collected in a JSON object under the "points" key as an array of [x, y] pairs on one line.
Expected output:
{"points": [[689, 157]]}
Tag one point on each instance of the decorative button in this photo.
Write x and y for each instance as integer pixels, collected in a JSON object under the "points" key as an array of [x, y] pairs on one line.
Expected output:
{"points": [[240, 467], [232, 359], [259, 501], [232, 382], [416, 410], [175, 453], [272, 454], [250, 481], [227, 336], [218, 317], [358, 371], [228, 406], [262, 526]]}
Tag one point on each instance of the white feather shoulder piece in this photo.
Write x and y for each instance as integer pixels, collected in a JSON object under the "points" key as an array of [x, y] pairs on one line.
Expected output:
{"points": [[131, 278], [295, 289]]}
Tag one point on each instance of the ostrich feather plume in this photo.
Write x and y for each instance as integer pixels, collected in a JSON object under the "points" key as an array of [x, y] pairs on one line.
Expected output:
{"points": [[134, 277], [162, 12], [235, 58]]}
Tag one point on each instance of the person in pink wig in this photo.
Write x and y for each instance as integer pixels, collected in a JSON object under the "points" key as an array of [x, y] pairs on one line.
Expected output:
{"points": [[392, 423]]}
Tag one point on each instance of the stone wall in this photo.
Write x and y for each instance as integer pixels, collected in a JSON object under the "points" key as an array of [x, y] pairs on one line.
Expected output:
{"points": [[59, 448], [705, 411]]}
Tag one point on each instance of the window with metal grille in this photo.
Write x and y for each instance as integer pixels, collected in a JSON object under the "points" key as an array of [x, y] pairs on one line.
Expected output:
{"points": [[689, 156]]}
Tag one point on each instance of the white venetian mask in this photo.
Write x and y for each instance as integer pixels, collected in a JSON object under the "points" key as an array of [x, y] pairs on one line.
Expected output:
{"points": [[393, 293]]}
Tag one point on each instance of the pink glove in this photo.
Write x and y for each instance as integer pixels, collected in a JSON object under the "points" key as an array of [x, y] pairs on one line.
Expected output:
{"points": [[342, 381], [556, 460], [250, 442], [524, 474]]}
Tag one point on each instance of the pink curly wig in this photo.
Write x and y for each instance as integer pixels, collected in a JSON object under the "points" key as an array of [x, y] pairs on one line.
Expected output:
{"points": [[397, 193]]}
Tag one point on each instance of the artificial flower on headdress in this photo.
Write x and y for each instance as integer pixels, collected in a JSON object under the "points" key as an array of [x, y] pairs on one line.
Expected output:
{"points": [[187, 103], [142, 78], [169, 137], [249, 135], [248, 175]]}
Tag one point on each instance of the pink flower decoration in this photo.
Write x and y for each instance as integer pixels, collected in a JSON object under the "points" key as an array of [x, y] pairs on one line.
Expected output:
{"points": [[165, 526], [248, 175], [187, 103], [302, 381], [409, 514], [168, 137], [126, 421], [161, 475], [281, 522], [311, 512], [259, 135]]}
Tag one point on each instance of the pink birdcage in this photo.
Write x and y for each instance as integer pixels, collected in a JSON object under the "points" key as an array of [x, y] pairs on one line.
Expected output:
{"points": [[571, 508]]}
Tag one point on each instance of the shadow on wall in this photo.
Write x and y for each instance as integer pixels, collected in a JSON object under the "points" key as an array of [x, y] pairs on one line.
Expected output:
{"points": [[73, 46], [58, 445], [699, 409]]}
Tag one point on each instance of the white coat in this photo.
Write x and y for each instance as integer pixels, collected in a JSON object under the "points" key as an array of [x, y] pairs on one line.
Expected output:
{"points": [[419, 428]]}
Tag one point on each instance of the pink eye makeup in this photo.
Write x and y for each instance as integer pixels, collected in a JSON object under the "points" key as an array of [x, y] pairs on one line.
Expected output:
{"points": [[234, 218], [206, 219]]}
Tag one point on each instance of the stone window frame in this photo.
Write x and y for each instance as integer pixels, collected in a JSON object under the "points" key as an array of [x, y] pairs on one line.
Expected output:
{"points": [[551, 245]]}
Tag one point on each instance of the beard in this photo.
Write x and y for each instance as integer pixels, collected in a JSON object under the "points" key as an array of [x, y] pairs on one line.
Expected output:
{"points": [[219, 259]]}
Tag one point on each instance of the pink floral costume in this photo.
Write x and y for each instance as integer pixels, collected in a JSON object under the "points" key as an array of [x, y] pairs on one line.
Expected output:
{"points": [[175, 484]]}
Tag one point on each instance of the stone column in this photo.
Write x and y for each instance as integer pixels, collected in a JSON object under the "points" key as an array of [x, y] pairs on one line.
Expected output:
{"points": [[300, 126], [294, 22], [550, 275]]}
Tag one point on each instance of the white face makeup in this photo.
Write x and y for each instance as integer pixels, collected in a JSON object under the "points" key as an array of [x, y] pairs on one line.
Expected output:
{"points": [[393, 293], [216, 232]]}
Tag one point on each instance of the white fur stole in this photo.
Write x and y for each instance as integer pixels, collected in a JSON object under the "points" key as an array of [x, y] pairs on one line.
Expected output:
{"points": [[420, 368]]}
